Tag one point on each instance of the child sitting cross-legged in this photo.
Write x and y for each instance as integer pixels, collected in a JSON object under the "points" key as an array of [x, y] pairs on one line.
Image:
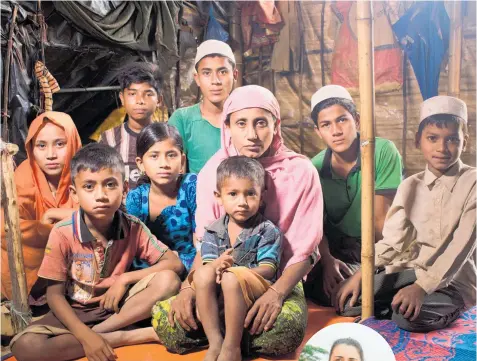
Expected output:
{"points": [[241, 253], [91, 294], [426, 269]]}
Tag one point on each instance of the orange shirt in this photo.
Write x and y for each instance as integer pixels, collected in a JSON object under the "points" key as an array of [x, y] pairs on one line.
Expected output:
{"points": [[74, 256]]}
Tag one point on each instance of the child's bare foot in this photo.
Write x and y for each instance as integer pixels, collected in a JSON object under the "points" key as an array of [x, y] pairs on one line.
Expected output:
{"points": [[213, 352], [230, 353]]}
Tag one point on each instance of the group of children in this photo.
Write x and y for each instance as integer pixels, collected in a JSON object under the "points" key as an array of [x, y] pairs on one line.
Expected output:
{"points": [[103, 266]]}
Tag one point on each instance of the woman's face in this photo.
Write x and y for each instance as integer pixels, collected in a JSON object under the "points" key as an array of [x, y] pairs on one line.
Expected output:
{"points": [[345, 352], [252, 131], [50, 150]]}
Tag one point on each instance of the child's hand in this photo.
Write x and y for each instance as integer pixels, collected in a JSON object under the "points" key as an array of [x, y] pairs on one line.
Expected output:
{"points": [[49, 217], [408, 301], [110, 300], [97, 348], [350, 287], [224, 261]]}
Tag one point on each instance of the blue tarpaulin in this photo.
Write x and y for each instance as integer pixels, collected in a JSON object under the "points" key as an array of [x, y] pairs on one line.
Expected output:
{"points": [[423, 32]]}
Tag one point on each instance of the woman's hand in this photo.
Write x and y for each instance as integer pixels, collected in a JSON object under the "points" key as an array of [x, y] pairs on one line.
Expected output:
{"points": [[182, 307], [264, 312]]}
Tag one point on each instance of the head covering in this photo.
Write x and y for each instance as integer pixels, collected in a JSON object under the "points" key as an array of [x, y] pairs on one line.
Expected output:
{"points": [[293, 195], [328, 92], [35, 198], [443, 104], [209, 47]]}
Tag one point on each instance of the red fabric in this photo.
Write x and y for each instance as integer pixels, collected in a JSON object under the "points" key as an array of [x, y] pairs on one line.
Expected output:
{"points": [[387, 54]]}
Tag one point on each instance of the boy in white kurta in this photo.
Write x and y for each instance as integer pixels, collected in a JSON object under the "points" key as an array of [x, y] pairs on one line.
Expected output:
{"points": [[433, 218]]}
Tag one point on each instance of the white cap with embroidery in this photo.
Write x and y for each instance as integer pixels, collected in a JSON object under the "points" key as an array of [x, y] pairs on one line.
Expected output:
{"points": [[329, 91], [209, 47], [443, 104]]}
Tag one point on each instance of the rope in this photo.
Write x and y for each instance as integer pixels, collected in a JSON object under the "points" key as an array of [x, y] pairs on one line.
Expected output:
{"points": [[24, 316]]}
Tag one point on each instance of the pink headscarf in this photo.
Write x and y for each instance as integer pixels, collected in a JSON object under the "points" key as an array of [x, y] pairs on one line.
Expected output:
{"points": [[293, 200]]}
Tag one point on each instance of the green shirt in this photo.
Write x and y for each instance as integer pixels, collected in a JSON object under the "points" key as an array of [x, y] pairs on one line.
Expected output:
{"points": [[201, 139], [342, 197]]}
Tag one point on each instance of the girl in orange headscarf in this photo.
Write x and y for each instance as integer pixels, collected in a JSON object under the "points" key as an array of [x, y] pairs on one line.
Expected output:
{"points": [[42, 181]]}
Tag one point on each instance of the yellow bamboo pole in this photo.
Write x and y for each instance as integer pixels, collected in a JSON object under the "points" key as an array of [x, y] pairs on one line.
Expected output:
{"points": [[364, 17], [455, 48], [19, 310]]}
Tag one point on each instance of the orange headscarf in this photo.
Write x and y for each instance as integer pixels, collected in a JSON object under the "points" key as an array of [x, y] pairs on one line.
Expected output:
{"points": [[35, 198]]}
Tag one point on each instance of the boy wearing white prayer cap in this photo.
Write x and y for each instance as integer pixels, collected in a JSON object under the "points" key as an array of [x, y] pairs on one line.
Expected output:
{"points": [[199, 124], [337, 124], [432, 218]]}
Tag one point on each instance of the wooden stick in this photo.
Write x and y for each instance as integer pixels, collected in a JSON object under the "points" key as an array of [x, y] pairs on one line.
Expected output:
{"points": [[177, 89], [6, 82], [364, 19], [236, 35], [455, 48], [300, 80], [20, 310]]}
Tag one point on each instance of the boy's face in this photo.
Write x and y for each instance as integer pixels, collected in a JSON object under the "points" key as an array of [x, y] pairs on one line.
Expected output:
{"points": [[441, 147], [215, 77], [50, 150], [240, 198], [163, 162], [140, 101], [337, 128], [99, 194]]}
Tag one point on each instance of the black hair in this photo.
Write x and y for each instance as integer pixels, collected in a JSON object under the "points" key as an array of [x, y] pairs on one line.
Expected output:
{"points": [[350, 342], [241, 167], [157, 132], [441, 121], [135, 73], [213, 56], [345, 103], [94, 157]]}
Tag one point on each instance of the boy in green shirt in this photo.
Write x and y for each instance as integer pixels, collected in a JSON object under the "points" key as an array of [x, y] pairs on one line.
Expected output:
{"points": [[199, 124], [337, 122]]}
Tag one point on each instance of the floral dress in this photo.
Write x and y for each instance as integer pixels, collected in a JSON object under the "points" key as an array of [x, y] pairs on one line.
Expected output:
{"points": [[176, 224]]}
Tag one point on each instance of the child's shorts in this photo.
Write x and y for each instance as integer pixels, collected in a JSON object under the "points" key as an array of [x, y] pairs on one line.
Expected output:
{"points": [[90, 316], [252, 284]]}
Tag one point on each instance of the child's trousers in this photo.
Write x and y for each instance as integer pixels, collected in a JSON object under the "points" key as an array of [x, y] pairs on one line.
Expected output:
{"points": [[439, 309]]}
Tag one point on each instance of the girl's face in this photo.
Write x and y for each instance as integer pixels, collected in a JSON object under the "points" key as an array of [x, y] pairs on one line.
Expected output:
{"points": [[162, 163], [50, 150], [345, 352]]}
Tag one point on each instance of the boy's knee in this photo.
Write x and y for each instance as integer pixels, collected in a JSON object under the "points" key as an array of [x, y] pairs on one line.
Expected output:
{"points": [[165, 281], [426, 321], [229, 281], [27, 347], [204, 276]]}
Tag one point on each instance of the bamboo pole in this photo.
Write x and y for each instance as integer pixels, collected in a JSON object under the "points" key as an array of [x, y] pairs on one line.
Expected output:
{"points": [[455, 48], [6, 81], [236, 35], [19, 310], [364, 17]]}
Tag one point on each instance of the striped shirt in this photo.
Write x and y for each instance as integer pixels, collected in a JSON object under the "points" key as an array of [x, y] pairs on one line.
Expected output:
{"points": [[259, 245], [123, 139]]}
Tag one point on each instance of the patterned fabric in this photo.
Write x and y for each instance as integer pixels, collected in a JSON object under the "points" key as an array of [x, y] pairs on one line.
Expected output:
{"points": [[258, 245], [123, 140], [175, 225], [285, 336], [457, 342]]}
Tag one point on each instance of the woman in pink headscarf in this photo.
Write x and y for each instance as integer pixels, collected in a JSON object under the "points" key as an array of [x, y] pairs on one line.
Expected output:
{"points": [[293, 201]]}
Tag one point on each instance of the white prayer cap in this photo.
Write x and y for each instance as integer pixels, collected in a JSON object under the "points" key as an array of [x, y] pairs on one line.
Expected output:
{"points": [[209, 47], [443, 104], [327, 92]]}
